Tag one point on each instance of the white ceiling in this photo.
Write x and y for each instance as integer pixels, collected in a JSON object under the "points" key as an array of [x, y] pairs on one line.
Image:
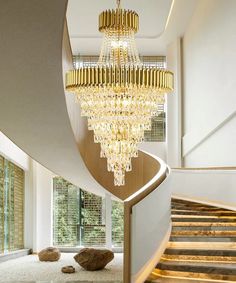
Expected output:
{"points": [[161, 21]]}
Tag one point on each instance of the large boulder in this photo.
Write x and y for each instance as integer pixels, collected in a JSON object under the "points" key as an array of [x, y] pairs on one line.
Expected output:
{"points": [[49, 254], [94, 259]]}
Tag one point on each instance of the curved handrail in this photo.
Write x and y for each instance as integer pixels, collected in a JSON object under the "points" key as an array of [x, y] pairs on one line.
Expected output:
{"points": [[151, 185], [205, 168]]}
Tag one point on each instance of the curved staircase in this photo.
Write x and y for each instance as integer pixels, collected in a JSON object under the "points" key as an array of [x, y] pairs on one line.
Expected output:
{"points": [[202, 245]]}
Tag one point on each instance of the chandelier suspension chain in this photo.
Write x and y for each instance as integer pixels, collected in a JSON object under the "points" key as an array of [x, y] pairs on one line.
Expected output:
{"points": [[118, 4]]}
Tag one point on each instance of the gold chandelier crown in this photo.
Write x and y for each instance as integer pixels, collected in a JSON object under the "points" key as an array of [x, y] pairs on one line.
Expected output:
{"points": [[119, 19], [119, 96], [160, 80]]}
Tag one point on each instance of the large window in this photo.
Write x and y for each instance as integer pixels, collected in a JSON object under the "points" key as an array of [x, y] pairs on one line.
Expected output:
{"points": [[11, 206], [79, 217]]}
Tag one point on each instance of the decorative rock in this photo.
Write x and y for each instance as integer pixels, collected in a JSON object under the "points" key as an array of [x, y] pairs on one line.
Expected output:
{"points": [[68, 269], [94, 259], [49, 254]]}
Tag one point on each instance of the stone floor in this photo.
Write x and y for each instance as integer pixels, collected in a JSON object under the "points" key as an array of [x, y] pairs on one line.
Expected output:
{"points": [[29, 269]]}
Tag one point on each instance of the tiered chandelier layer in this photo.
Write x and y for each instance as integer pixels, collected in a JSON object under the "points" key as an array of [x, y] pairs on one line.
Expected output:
{"points": [[119, 96]]}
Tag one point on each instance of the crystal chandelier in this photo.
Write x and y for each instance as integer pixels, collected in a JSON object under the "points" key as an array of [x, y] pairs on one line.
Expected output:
{"points": [[119, 96]]}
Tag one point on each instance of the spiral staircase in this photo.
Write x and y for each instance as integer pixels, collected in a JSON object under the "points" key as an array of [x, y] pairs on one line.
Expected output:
{"points": [[43, 120]]}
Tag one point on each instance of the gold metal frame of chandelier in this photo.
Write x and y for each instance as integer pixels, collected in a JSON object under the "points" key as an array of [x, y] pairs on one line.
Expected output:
{"points": [[119, 19], [161, 80]]}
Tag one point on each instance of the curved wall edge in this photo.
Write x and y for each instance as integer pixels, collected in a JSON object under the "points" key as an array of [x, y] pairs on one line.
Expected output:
{"points": [[32, 106]]}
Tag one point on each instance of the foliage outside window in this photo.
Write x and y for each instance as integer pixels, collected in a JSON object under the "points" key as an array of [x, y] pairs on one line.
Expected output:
{"points": [[66, 213], [79, 217], [11, 206], [117, 223], [93, 229]]}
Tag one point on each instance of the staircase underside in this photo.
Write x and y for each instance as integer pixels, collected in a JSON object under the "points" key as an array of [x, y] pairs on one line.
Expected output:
{"points": [[202, 245]]}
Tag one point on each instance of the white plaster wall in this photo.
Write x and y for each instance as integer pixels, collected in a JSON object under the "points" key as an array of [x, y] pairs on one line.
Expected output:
{"points": [[209, 60], [13, 153], [29, 207], [218, 150], [174, 126], [42, 198], [156, 148], [149, 238]]}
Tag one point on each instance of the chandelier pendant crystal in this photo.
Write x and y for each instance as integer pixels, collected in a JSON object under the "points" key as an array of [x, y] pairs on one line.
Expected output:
{"points": [[119, 96]]}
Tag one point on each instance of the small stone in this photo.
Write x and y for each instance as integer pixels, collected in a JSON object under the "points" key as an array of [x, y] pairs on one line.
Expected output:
{"points": [[49, 254], [94, 259], [68, 269]]}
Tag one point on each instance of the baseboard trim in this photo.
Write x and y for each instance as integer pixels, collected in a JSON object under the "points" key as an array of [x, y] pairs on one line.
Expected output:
{"points": [[15, 254], [78, 249]]}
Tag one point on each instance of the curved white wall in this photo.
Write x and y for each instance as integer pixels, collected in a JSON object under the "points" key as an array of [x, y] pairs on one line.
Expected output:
{"points": [[216, 187], [209, 60], [151, 224], [33, 110]]}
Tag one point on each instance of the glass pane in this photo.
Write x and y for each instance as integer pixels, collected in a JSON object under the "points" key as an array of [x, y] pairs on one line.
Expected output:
{"points": [[17, 208], [11, 206], [117, 224], [6, 205], [66, 204], [93, 228], [158, 130], [1, 204]]}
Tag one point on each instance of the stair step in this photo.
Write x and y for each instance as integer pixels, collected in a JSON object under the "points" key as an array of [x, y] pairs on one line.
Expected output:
{"points": [[199, 258], [189, 203], [229, 246], [199, 267], [200, 252], [200, 233], [160, 279], [196, 276], [202, 239], [206, 224], [203, 213], [198, 207], [176, 218], [203, 228], [189, 208]]}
